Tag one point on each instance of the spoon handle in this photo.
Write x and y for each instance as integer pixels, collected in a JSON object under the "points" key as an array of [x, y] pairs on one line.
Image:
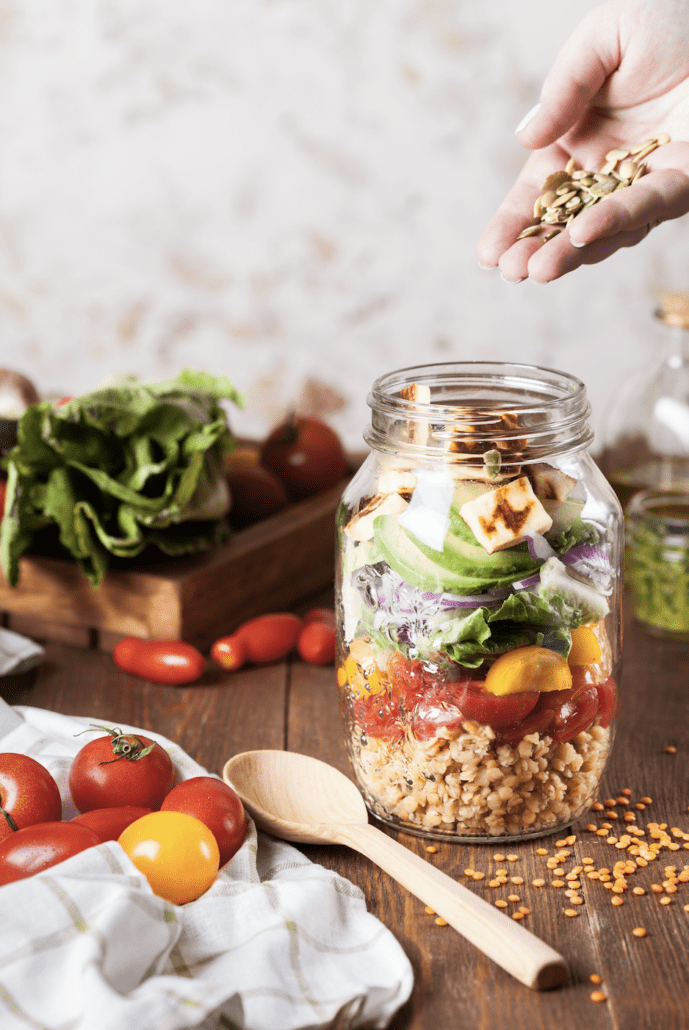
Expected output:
{"points": [[517, 951]]}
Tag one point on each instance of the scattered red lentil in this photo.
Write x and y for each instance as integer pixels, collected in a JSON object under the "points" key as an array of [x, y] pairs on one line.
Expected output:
{"points": [[430, 911], [500, 904], [639, 931], [598, 996], [595, 978], [571, 912], [439, 921], [670, 749], [431, 849]]}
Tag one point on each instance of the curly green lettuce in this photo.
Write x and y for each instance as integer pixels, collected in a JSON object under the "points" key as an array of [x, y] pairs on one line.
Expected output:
{"points": [[119, 470]]}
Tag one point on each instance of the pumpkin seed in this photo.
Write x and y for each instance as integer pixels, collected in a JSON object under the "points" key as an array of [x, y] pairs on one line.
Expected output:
{"points": [[568, 192]]}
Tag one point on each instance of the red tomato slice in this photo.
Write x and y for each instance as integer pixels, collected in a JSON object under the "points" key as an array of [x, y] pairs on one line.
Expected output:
{"points": [[607, 695], [575, 715], [490, 709], [538, 721], [432, 713], [379, 716]]}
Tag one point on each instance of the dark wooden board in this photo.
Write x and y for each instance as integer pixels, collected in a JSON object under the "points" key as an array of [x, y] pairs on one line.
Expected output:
{"points": [[269, 566]]}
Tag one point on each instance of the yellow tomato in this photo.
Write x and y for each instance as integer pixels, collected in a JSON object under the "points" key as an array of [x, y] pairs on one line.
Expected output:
{"points": [[528, 668], [363, 684], [177, 854], [585, 647]]}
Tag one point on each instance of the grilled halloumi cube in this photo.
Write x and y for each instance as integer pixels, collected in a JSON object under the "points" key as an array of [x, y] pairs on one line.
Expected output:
{"points": [[360, 526], [550, 484], [506, 516]]}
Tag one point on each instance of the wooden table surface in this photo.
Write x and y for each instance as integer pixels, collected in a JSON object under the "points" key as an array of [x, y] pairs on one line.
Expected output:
{"points": [[292, 705]]}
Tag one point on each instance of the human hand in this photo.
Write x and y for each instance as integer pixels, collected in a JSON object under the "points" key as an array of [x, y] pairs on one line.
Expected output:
{"points": [[621, 78]]}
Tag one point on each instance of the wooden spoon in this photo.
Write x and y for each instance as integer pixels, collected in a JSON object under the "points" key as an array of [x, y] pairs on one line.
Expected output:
{"points": [[302, 799]]}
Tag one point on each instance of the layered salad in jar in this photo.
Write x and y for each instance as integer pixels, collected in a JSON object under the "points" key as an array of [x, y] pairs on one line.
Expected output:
{"points": [[477, 664]]}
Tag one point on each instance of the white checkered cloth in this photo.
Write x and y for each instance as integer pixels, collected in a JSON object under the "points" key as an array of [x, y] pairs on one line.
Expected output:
{"points": [[277, 943]]}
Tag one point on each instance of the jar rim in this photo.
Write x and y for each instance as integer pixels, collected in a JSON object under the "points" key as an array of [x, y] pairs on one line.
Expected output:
{"points": [[645, 502], [485, 401]]}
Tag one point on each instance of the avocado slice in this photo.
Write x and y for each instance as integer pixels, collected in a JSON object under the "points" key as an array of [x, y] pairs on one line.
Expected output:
{"points": [[462, 567]]}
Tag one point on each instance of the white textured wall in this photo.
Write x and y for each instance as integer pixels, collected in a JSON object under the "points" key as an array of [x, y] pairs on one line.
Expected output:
{"points": [[289, 191]]}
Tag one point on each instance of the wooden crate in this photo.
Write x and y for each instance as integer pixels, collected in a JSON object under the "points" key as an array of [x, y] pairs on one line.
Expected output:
{"points": [[269, 566]]}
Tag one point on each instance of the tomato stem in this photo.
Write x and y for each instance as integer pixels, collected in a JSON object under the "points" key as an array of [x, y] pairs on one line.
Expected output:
{"points": [[124, 745], [10, 821]]}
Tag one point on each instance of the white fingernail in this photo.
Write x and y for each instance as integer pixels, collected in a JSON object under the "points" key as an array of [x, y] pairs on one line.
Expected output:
{"points": [[513, 282], [574, 244], [527, 118], [488, 268]]}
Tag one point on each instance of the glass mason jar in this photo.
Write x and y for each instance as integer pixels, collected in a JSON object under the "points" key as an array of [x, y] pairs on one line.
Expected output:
{"points": [[658, 537], [478, 603]]}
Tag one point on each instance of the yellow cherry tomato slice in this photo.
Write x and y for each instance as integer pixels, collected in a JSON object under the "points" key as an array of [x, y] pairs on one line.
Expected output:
{"points": [[177, 854], [586, 649], [528, 669]]}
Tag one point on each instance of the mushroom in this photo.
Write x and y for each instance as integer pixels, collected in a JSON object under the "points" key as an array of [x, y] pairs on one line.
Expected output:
{"points": [[16, 394]]}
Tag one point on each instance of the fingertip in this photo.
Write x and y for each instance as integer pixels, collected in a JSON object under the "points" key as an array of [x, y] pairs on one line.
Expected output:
{"points": [[527, 118]]}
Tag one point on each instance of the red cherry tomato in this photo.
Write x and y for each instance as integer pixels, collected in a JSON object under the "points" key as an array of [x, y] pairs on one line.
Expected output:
{"points": [[172, 662], [229, 652], [435, 712], [326, 615], [306, 455], [269, 638], [492, 710], [538, 721], [256, 494], [218, 808], [379, 716], [607, 696], [28, 794], [119, 770], [108, 823], [316, 643], [575, 715], [38, 847]]}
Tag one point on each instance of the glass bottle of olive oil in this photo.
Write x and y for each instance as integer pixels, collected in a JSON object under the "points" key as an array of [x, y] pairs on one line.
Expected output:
{"points": [[646, 438]]}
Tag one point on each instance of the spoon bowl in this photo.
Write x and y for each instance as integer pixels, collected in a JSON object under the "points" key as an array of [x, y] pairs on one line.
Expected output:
{"points": [[307, 801], [294, 796]]}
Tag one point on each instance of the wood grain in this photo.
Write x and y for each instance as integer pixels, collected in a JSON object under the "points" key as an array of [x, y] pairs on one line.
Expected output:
{"points": [[295, 706]]}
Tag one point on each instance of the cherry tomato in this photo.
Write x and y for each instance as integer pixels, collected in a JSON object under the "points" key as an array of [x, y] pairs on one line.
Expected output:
{"points": [[433, 713], [269, 638], [108, 823], [379, 716], [176, 853], [218, 808], [306, 455], [538, 721], [229, 652], [607, 695], [316, 643], [172, 662], [256, 494], [119, 770], [326, 615], [28, 794], [34, 848], [494, 710], [575, 715]]}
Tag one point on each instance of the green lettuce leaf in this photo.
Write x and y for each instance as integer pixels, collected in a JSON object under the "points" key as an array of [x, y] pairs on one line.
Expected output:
{"points": [[119, 470]]}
